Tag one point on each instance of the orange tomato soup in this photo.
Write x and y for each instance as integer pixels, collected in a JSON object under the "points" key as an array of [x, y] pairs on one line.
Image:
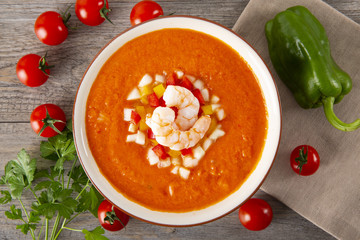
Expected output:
{"points": [[226, 164]]}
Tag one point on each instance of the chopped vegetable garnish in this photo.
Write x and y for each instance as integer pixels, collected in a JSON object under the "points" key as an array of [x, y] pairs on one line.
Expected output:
{"points": [[198, 152], [135, 117], [174, 153], [198, 95], [220, 114], [176, 161], [164, 163], [179, 73], [175, 170], [150, 134], [127, 114], [131, 137], [215, 99], [216, 134], [159, 78], [206, 95], [152, 157], [184, 173], [146, 90], [190, 162], [144, 100], [140, 138], [146, 80], [207, 143], [207, 109], [143, 126], [199, 84], [153, 100], [159, 150], [159, 90], [213, 125], [172, 79], [191, 78], [162, 102], [134, 94], [186, 151], [141, 111], [215, 106], [186, 83], [132, 128]]}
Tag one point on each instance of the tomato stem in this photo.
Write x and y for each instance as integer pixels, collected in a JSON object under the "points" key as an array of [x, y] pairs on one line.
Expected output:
{"points": [[49, 122], [43, 66], [104, 11], [66, 15], [302, 159]]}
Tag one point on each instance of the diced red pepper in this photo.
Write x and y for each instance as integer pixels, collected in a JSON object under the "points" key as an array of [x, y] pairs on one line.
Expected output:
{"points": [[186, 151], [186, 83], [200, 112], [159, 150], [150, 134], [199, 96], [135, 117], [172, 79], [175, 109], [162, 102], [153, 100]]}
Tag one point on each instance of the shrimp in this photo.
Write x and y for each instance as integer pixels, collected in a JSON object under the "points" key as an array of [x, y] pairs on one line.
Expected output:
{"points": [[167, 133], [186, 103]]}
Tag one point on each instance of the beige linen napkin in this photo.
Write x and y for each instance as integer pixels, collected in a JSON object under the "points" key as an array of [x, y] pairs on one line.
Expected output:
{"points": [[331, 197]]}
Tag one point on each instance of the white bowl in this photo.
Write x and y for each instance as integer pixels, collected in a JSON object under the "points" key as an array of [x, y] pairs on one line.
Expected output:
{"points": [[249, 187]]}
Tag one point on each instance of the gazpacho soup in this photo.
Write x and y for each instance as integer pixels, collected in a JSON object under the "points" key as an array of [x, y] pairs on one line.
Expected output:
{"points": [[176, 120]]}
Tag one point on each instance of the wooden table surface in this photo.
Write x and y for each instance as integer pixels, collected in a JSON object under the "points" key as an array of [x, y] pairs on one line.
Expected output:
{"points": [[71, 58]]}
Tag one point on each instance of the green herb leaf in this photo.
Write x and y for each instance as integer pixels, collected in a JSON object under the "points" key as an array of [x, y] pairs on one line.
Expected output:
{"points": [[25, 165], [42, 185], [6, 198], [96, 234], [69, 125], [34, 217], [90, 200], [16, 185], [25, 228], [14, 213], [79, 178], [48, 151]]}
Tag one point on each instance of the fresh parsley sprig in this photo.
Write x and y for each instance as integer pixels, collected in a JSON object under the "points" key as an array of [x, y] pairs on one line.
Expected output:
{"points": [[60, 195]]}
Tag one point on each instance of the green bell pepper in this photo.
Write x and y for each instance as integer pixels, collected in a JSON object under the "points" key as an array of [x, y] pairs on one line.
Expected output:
{"points": [[300, 52]]}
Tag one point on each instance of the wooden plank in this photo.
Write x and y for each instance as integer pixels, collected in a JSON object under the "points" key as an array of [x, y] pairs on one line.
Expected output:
{"points": [[71, 59]]}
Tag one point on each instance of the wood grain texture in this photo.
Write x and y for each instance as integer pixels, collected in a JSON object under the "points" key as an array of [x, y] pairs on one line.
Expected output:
{"points": [[71, 58]]}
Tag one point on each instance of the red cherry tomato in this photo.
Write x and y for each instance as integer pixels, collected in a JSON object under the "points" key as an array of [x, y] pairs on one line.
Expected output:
{"points": [[32, 70], [304, 160], [256, 214], [48, 120], [50, 28], [111, 218], [92, 12], [144, 11]]}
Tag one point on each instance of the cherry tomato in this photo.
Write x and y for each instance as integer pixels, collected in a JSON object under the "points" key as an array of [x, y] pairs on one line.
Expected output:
{"points": [[92, 12], [111, 218], [48, 120], [50, 28], [33, 70], [304, 160], [144, 11], [256, 214]]}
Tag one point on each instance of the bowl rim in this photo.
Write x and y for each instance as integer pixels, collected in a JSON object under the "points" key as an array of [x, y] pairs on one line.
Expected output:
{"points": [[280, 124]]}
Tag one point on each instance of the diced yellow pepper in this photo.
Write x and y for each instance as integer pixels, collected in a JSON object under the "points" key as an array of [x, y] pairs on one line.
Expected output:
{"points": [[146, 90], [141, 111], [144, 100], [174, 153], [142, 125], [159, 90], [154, 142], [207, 109], [213, 125]]}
